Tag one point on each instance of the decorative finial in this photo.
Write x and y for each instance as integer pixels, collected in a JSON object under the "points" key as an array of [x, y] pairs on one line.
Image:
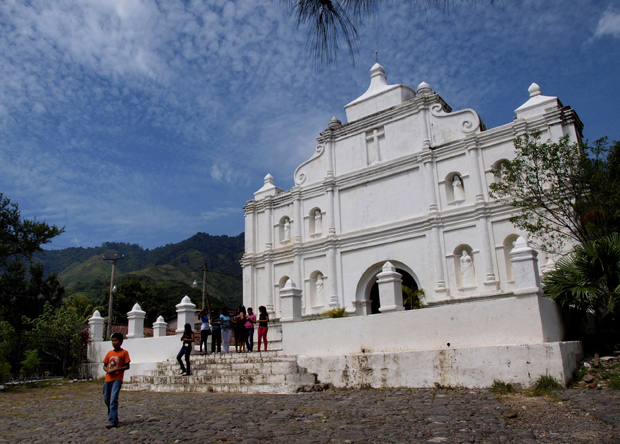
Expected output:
{"points": [[534, 90], [424, 88], [377, 55], [334, 123]]}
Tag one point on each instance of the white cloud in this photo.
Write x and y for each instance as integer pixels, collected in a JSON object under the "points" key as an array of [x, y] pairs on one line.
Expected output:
{"points": [[221, 213], [609, 24]]}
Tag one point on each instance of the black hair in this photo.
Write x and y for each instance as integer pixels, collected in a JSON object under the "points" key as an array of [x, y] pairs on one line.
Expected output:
{"points": [[262, 309], [188, 329], [118, 336], [250, 310], [242, 309]]}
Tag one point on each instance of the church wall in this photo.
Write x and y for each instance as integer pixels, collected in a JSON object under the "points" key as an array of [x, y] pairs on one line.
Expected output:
{"points": [[382, 201], [261, 230], [350, 154], [403, 137]]}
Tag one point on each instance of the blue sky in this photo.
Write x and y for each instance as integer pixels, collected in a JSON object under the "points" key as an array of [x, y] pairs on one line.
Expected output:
{"points": [[146, 122]]}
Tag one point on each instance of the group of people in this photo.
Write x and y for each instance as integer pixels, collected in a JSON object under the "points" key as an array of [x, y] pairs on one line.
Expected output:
{"points": [[220, 325]]}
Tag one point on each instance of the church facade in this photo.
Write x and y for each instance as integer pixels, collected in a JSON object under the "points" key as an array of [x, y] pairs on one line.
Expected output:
{"points": [[405, 181]]}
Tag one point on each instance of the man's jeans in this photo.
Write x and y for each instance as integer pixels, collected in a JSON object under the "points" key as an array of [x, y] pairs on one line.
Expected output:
{"points": [[110, 396]]}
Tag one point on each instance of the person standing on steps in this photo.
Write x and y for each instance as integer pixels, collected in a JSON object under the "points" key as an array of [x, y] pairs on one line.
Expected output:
{"points": [[216, 330], [240, 331], [205, 329], [226, 321], [250, 320], [263, 323], [186, 350]]}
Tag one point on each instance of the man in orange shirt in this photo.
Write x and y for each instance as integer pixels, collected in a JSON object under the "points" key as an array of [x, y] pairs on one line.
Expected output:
{"points": [[114, 365]]}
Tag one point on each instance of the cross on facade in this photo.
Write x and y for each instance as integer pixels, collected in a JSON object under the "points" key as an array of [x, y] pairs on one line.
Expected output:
{"points": [[373, 148]]}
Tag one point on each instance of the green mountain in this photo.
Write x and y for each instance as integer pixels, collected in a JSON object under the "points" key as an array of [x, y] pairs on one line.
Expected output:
{"points": [[164, 273]]}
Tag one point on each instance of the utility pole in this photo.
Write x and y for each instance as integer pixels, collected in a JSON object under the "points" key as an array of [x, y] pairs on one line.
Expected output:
{"points": [[205, 296], [113, 261]]}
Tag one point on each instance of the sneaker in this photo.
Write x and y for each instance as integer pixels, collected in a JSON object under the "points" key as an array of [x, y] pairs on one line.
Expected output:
{"points": [[110, 425]]}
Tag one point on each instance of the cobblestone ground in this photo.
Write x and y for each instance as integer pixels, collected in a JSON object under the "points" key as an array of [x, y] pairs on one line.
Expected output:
{"points": [[75, 413]]}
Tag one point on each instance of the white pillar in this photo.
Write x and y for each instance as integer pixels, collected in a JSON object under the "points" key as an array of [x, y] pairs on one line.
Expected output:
{"points": [[290, 302], [159, 328], [390, 289], [525, 267], [185, 314], [95, 325], [136, 322]]}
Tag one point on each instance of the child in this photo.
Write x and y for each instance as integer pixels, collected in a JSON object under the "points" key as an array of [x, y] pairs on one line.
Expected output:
{"points": [[114, 365]]}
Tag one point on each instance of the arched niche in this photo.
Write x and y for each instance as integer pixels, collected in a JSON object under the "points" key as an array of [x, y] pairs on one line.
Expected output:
{"points": [[316, 289], [497, 168], [284, 230], [315, 222], [465, 267], [455, 188]]}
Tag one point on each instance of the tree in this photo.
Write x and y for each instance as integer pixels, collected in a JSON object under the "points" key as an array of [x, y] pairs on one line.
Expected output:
{"points": [[586, 285], [21, 238], [23, 291], [60, 333], [332, 21], [562, 191]]}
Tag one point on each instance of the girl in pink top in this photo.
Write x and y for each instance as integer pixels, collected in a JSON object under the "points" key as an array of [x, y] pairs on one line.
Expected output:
{"points": [[250, 320]]}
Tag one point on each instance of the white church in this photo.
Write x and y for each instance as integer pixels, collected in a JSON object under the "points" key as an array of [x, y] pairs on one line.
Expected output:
{"points": [[399, 195]]}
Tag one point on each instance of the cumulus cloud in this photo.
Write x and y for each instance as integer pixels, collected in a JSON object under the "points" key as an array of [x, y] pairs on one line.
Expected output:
{"points": [[609, 24]]}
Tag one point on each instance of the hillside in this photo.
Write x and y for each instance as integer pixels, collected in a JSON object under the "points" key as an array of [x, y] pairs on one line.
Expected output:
{"points": [[172, 267]]}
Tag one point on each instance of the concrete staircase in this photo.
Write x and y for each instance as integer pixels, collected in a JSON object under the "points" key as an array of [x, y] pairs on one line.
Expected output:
{"points": [[264, 372]]}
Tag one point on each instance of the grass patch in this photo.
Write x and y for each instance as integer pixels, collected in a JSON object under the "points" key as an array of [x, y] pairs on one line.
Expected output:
{"points": [[502, 388], [614, 382], [545, 385]]}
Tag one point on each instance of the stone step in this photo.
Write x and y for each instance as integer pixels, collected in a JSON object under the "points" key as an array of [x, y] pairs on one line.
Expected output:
{"points": [[233, 367], [215, 388], [222, 379], [265, 372]]}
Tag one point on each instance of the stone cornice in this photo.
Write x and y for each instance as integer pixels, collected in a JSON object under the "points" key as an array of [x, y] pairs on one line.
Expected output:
{"points": [[410, 107]]}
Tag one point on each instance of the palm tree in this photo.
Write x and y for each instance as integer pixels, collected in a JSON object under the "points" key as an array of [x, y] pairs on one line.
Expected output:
{"points": [[586, 285]]}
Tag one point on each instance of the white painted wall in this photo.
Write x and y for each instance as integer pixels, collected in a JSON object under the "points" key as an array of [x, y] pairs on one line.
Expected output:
{"points": [[143, 352], [463, 367], [489, 322]]}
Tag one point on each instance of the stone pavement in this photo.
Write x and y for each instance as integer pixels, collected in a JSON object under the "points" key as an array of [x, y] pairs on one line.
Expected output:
{"points": [[75, 413]]}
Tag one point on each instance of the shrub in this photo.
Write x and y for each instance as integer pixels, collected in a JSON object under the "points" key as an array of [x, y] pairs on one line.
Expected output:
{"points": [[335, 313], [501, 387], [31, 364]]}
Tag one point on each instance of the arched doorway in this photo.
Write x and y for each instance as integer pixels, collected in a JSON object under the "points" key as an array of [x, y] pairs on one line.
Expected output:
{"points": [[411, 299]]}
